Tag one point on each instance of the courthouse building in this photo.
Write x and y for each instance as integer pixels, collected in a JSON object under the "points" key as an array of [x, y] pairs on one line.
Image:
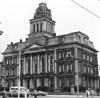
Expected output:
{"points": [[53, 61]]}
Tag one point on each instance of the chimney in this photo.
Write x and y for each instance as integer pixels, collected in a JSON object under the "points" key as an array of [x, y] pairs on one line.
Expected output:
{"points": [[11, 43], [20, 40], [26, 39]]}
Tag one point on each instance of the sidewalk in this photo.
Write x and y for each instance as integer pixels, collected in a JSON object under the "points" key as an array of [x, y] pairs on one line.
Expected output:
{"points": [[70, 96]]}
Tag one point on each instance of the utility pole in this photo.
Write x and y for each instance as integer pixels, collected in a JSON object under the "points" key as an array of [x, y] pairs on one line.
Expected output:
{"points": [[35, 96], [19, 75], [77, 83]]}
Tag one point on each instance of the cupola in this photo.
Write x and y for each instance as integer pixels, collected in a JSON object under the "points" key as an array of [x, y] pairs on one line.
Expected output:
{"points": [[42, 24]]}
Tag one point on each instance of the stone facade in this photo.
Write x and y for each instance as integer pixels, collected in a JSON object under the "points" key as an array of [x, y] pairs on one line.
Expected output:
{"points": [[49, 60]]}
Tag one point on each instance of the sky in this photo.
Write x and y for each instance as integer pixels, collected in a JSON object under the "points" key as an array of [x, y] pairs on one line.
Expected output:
{"points": [[69, 17]]}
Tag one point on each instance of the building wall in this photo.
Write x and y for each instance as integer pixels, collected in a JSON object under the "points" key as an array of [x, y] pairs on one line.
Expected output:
{"points": [[56, 68]]}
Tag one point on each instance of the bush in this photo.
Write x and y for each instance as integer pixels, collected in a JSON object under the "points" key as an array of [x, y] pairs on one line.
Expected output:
{"points": [[81, 88], [68, 89], [42, 88], [98, 89], [2, 89]]}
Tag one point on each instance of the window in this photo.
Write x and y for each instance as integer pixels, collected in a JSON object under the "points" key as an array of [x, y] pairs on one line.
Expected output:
{"points": [[88, 57], [84, 56], [59, 68], [59, 55], [51, 82], [88, 69], [62, 81], [12, 71], [84, 68], [91, 58], [42, 64], [51, 63], [7, 72], [69, 67], [91, 70]]}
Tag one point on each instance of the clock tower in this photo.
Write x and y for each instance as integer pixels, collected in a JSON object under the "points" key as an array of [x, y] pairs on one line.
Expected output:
{"points": [[42, 24]]}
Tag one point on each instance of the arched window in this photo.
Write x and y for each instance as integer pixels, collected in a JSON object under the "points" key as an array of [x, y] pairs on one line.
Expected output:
{"points": [[35, 64], [51, 82], [42, 64], [28, 66], [51, 63], [61, 81]]}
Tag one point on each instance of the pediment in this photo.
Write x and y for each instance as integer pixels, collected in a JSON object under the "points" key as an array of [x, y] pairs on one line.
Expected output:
{"points": [[34, 46]]}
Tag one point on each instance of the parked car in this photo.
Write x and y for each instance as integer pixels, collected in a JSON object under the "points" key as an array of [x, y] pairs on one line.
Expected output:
{"points": [[13, 91], [38, 93]]}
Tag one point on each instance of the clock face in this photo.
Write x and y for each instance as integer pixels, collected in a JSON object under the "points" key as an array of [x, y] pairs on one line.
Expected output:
{"points": [[38, 13]]}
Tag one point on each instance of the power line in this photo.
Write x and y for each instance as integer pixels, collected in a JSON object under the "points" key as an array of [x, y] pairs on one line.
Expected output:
{"points": [[85, 9]]}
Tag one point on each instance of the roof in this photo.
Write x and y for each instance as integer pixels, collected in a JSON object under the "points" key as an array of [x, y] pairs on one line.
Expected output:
{"points": [[75, 37]]}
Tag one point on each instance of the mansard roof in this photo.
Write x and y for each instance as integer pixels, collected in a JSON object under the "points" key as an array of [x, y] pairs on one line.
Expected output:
{"points": [[75, 37]]}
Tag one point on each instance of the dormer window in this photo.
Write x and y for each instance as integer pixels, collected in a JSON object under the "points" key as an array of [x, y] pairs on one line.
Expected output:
{"points": [[68, 54]]}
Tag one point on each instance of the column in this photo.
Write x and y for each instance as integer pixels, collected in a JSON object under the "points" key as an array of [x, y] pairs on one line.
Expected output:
{"points": [[31, 28], [44, 25], [39, 26], [46, 62], [35, 27], [53, 29]]}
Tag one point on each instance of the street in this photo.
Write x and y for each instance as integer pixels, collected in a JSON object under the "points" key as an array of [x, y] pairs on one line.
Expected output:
{"points": [[58, 96], [64, 96]]}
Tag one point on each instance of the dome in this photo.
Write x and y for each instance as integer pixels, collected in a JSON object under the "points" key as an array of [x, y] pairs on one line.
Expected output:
{"points": [[42, 11]]}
